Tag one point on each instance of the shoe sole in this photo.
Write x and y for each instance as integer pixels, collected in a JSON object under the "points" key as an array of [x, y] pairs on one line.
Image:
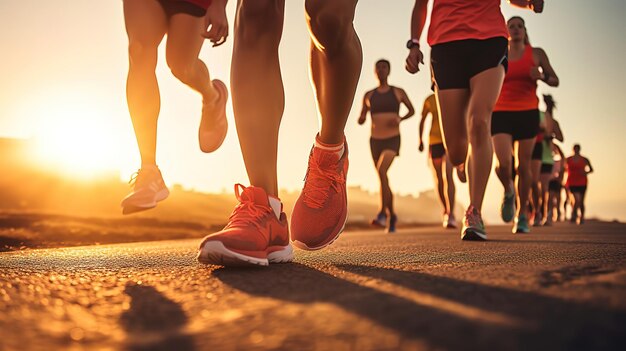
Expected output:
{"points": [[303, 246], [211, 147], [470, 234], [214, 252], [134, 208]]}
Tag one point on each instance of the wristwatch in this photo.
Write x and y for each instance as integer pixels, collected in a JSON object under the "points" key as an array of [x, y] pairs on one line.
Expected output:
{"points": [[412, 43]]}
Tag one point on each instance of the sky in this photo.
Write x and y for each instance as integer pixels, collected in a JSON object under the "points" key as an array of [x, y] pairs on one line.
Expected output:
{"points": [[64, 65]]}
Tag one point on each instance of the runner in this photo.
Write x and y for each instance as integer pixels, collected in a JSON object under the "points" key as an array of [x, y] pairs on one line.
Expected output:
{"points": [[185, 23], [577, 168], [468, 59], [257, 232], [383, 103], [440, 164], [516, 119]]}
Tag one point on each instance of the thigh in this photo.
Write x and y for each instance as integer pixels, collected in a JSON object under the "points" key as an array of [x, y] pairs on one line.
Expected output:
{"points": [[485, 89], [184, 37], [453, 114], [503, 148], [145, 21], [524, 151], [385, 160]]}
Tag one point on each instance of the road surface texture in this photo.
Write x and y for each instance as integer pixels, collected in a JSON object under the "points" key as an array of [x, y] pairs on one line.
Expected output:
{"points": [[558, 288]]}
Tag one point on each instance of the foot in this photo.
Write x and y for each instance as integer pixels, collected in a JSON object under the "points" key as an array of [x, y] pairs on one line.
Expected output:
{"points": [[380, 220], [473, 227], [393, 219], [148, 189], [253, 235], [449, 221], [213, 126], [507, 209], [521, 225], [537, 220], [460, 173], [321, 211]]}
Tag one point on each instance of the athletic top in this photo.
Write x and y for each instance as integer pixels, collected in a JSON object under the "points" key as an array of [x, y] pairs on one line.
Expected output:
{"points": [[202, 3], [435, 130], [576, 175], [519, 90], [453, 20], [546, 153], [384, 102], [542, 117], [556, 169]]}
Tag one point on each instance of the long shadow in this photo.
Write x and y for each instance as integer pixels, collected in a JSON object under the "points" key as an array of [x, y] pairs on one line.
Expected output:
{"points": [[559, 324], [154, 322], [578, 242], [301, 284]]}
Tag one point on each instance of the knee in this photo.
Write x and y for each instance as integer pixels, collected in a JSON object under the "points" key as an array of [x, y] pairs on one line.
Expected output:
{"points": [[330, 23], [504, 168], [142, 53], [457, 152], [259, 20], [479, 127]]}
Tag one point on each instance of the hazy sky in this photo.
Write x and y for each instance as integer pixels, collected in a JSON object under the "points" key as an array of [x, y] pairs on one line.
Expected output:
{"points": [[64, 65]]}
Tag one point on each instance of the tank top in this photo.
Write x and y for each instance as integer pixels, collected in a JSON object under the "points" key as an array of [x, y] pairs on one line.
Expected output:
{"points": [[546, 152], [453, 20], [519, 90], [435, 129], [384, 102], [542, 117], [576, 175]]}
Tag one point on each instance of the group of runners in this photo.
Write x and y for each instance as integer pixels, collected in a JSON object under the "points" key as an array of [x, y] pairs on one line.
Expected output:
{"points": [[470, 54]]}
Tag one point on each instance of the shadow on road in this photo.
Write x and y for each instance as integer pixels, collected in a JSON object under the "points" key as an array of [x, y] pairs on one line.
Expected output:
{"points": [[549, 323], [154, 322]]}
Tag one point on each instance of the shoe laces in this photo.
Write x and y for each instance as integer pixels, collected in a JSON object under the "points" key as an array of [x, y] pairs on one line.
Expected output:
{"points": [[139, 178], [473, 218], [318, 182], [247, 211]]}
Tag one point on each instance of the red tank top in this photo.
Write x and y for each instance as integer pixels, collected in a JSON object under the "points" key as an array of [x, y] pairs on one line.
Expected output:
{"points": [[519, 91], [576, 175], [452, 20]]}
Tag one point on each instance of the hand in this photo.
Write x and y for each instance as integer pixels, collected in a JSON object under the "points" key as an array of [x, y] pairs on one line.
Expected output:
{"points": [[536, 5], [535, 73], [421, 147], [216, 23], [361, 120], [395, 122], [413, 60]]}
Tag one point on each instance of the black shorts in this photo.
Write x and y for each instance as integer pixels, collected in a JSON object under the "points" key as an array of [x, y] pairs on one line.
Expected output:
{"points": [[172, 7], [554, 186], [580, 189], [436, 151], [546, 168], [377, 146], [537, 151], [518, 124], [454, 63]]}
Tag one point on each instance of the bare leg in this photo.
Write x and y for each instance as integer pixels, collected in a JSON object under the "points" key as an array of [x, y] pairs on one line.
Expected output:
{"points": [[503, 147], [452, 104], [439, 182], [255, 69], [449, 185], [535, 169], [524, 176], [384, 162], [336, 59], [184, 42], [485, 89], [146, 24], [544, 179]]}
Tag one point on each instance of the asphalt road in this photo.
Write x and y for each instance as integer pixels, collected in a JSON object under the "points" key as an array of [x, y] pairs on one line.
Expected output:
{"points": [[559, 288]]}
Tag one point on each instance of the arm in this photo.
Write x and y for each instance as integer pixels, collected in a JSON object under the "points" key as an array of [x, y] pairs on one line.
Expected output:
{"points": [[407, 102], [418, 19], [365, 108], [535, 5], [549, 76], [556, 130], [217, 20], [548, 123], [589, 166], [425, 112]]}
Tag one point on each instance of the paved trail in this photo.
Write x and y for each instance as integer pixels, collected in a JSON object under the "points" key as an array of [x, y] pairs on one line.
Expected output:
{"points": [[558, 288]]}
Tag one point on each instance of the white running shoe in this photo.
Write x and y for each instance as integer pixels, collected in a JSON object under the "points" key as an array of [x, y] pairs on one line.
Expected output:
{"points": [[148, 189]]}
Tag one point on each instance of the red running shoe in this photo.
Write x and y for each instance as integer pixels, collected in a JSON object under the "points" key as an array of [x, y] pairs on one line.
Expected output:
{"points": [[321, 211], [253, 235]]}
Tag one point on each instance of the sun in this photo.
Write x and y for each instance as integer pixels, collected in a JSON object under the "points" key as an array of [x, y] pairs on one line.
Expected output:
{"points": [[77, 141]]}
